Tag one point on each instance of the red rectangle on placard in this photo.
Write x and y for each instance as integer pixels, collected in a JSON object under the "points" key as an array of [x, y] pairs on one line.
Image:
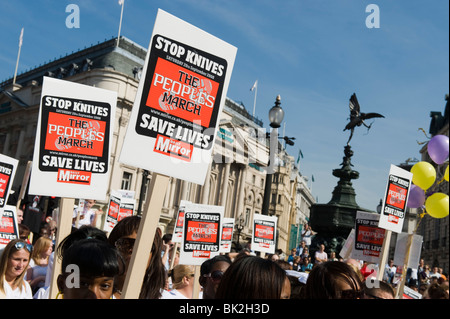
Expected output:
{"points": [[396, 196], [174, 148], [182, 93], [3, 184], [73, 134], [74, 177], [202, 231], [265, 232]]}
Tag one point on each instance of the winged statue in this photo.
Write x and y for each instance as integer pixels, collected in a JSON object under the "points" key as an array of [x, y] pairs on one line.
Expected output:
{"points": [[357, 117]]}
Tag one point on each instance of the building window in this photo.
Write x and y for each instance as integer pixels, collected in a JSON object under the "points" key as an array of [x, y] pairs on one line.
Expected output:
{"points": [[247, 217], [126, 180]]}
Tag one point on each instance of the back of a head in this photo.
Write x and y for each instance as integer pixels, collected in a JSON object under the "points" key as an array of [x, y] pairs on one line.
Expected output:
{"points": [[125, 227], [207, 265], [326, 279], [252, 277], [83, 232], [379, 290], [94, 258], [179, 272]]}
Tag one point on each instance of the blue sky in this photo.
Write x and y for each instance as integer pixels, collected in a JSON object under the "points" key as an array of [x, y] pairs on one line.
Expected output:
{"points": [[315, 54]]}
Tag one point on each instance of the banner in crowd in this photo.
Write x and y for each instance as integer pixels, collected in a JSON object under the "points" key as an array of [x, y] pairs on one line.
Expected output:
{"points": [[177, 236], [201, 233], [347, 248], [73, 140], [414, 251], [227, 235], [369, 238], [264, 230], [121, 205], [180, 97], [8, 167], [9, 229], [393, 210]]}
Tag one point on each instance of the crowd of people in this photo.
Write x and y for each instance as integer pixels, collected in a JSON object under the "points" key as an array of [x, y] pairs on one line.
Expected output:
{"points": [[94, 265]]}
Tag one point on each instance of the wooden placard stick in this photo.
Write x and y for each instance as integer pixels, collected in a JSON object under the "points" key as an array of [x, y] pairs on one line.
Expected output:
{"points": [[26, 178], [384, 254], [401, 288], [63, 230], [144, 240]]}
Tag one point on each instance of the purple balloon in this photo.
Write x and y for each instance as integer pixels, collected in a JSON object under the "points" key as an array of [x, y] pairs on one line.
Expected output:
{"points": [[416, 197], [438, 148]]}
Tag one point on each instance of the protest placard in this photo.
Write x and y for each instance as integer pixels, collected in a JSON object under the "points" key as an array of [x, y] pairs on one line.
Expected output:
{"points": [[9, 229], [73, 140], [401, 247], [8, 167], [264, 228], [393, 208], [201, 233], [179, 99], [177, 236], [227, 235], [347, 248], [112, 215], [369, 238]]}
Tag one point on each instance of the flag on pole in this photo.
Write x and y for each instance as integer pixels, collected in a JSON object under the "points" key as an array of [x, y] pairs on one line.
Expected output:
{"points": [[121, 3], [254, 86], [300, 154], [21, 38], [18, 56]]}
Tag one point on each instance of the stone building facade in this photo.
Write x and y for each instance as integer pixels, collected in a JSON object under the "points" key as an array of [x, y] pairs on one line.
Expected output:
{"points": [[236, 176]]}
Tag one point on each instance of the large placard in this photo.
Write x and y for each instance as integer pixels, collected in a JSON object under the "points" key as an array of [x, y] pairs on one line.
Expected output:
{"points": [[393, 210], [8, 167], [264, 231], [73, 140], [201, 233], [180, 96]]}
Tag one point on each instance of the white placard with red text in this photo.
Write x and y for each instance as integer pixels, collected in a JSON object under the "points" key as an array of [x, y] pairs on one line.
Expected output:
{"points": [[393, 210], [8, 167], [201, 233], [73, 140], [179, 100], [226, 238], [177, 235], [9, 229], [264, 233]]}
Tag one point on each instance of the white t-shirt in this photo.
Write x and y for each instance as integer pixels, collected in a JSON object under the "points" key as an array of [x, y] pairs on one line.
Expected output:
{"points": [[173, 294], [86, 217], [320, 255], [24, 293]]}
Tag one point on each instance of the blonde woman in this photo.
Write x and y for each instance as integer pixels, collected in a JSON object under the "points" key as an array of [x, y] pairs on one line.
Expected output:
{"points": [[13, 265], [39, 263], [182, 282]]}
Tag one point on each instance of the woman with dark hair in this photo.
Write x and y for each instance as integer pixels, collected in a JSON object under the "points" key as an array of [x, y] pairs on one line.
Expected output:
{"points": [[333, 280], [252, 277], [123, 237], [155, 274], [88, 269]]}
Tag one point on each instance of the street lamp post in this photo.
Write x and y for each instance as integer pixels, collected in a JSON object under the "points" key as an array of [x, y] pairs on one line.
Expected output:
{"points": [[239, 227]]}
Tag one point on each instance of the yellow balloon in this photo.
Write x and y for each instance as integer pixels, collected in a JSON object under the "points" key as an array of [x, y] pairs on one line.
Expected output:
{"points": [[446, 174], [424, 175], [437, 205]]}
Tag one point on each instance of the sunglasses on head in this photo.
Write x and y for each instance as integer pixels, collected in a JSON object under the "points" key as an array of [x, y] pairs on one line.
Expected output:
{"points": [[21, 244], [215, 275]]}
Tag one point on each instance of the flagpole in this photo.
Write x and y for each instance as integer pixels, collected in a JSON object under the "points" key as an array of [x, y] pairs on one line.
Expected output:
{"points": [[18, 56], [255, 86], [122, 3]]}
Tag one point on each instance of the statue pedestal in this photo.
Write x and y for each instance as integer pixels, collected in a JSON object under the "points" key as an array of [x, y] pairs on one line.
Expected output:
{"points": [[333, 221]]}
